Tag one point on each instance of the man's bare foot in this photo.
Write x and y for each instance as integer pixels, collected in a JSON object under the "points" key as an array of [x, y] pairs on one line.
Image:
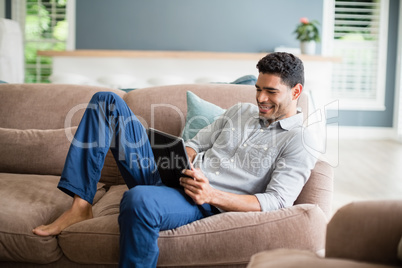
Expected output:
{"points": [[80, 210]]}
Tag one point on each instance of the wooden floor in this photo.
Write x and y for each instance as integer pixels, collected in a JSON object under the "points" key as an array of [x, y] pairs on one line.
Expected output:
{"points": [[366, 170]]}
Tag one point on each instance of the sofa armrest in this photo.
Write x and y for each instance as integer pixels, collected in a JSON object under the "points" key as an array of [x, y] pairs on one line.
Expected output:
{"points": [[319, 188], [233, 237], [366, 231]]}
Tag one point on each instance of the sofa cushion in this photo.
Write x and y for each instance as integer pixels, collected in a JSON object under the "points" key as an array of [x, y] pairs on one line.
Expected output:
{"points": [[301, 226], [102, 230], [27, 204], [200, 113], [34, 151], [110, 174], [110, 202]]}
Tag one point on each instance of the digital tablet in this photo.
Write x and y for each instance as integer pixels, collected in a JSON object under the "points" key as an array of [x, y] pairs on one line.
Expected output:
{"points": [[170, 155]]}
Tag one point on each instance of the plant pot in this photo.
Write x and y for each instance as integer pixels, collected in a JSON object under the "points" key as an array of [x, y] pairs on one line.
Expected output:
{"points": [[308, 47]]}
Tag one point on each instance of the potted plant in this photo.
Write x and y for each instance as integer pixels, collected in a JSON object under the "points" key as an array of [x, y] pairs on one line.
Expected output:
{"points": [[308, 35]]}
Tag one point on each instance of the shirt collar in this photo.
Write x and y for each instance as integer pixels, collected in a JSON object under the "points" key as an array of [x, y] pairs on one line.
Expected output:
{"points": [[292, 122], [287, 123]]}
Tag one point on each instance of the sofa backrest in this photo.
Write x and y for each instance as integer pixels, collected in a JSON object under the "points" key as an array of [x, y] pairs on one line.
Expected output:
{"points": [[44, 106]]}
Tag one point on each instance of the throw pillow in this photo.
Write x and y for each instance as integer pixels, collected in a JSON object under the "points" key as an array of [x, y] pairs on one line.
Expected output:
{"points": [[34, 151], [127, 89], [245, 80], [200, 113]]}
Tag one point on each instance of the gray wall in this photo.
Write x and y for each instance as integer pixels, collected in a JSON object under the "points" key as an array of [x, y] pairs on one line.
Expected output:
{"points": [[201, 25]]}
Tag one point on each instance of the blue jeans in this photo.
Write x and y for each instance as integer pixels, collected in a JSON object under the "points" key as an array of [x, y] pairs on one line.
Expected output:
{"points": [[148, 206]]}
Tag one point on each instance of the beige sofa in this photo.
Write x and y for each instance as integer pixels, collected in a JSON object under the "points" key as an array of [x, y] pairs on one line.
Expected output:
{"points": [[360, 235], [36, 123]]}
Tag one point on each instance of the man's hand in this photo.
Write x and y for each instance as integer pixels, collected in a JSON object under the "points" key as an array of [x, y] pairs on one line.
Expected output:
{"points": [[197, 187], [191, 153]]}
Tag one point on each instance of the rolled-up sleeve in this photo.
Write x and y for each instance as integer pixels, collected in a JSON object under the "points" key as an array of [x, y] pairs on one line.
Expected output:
{"points": [[292, 170]]}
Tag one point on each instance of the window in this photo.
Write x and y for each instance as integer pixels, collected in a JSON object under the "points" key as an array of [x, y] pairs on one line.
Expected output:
{"points": [[45, 27], [360, 38], [398, 84]]}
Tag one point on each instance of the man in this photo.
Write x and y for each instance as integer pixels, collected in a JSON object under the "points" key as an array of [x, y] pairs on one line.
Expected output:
{"points": [[252, 158]]}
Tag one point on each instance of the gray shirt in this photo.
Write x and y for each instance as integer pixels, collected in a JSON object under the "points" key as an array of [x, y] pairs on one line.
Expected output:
{"points": [[238, 153]]}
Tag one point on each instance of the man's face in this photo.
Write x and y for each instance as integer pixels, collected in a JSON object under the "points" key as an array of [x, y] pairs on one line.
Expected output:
{"points": [[275, 100]]}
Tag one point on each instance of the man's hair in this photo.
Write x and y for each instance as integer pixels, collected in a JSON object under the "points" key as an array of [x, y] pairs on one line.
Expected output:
{"points": [[285, 65]]}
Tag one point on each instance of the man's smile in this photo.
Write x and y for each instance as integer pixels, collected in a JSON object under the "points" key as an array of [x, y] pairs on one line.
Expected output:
{"points": [[264, 108]]}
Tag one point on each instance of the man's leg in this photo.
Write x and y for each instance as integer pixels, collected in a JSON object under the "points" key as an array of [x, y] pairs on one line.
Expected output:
{"points": [[146, 210], [106, 121]]}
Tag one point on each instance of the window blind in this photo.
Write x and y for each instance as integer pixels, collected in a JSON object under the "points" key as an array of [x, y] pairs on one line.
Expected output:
{"points": [[359, 40]]}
